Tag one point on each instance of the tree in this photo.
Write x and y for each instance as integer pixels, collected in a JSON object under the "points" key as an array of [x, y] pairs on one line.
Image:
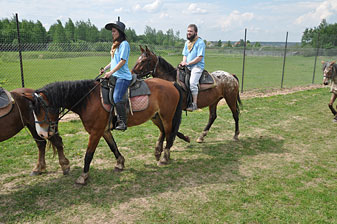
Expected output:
{"points": [[325, 36], [59, 35], [70, 30]]}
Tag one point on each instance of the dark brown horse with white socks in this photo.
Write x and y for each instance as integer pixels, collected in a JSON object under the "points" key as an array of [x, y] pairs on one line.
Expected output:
{"points": [[227, 86], [21, 115], [83, 98]]}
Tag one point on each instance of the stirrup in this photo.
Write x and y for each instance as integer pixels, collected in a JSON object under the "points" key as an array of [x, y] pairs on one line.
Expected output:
{"points": [[192, 107], [121, 126]]}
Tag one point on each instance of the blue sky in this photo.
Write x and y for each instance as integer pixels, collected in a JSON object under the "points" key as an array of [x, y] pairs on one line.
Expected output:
{"points": [[216, 20]]}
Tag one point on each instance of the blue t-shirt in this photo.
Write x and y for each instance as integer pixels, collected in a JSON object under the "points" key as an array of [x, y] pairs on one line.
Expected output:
{"points": [[197, 50], [122, 52]]}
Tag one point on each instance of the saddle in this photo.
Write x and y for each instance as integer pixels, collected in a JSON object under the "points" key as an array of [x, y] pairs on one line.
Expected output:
{"points": [[6, 102], [206, 81], [136, 96]]}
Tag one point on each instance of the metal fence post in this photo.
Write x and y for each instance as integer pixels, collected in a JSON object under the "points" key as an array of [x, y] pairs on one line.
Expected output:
{"points": [[20, 54], [244, 59], [313, 75], [284, 59]]}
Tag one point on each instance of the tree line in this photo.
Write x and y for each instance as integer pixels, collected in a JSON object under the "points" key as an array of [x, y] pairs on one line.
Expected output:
{"points": [[79, 32], [323, 36]]}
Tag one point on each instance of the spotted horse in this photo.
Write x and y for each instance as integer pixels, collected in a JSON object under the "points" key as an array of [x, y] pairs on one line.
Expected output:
{"points": [[226, 86]]}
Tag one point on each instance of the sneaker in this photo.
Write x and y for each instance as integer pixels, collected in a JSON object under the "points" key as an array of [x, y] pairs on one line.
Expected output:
{"points": [[192, 107]]}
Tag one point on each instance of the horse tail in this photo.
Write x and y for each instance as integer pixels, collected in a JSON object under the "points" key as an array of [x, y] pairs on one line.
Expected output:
{"points": [[238, 102], [177, 115]]}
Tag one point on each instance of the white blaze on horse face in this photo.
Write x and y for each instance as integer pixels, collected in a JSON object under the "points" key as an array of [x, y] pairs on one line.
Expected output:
{"points": [[42, 132]]}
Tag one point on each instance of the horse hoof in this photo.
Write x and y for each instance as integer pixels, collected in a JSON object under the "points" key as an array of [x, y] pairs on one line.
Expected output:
{"points": [[236, 138], [188, 139], [66, 171], [82, 180], [162, 162], [200, 140], [35, 173], [117, 169]]}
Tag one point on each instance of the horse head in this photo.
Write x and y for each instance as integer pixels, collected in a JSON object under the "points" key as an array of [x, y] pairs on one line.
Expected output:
{"points": [[145, 64], [328, 71], [46, 116]]}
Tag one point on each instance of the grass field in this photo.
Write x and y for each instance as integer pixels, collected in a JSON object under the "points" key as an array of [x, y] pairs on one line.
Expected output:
{"points": [[261, 72], [283, 170]]}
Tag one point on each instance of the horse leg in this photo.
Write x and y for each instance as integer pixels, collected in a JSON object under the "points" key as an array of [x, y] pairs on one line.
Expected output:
{"points": [[183, 137], [169, 142], [159, 144], [211, 119], [232, 104], [332, 100], [41, 144], [113, 147], [56, 141], [93, 142]]}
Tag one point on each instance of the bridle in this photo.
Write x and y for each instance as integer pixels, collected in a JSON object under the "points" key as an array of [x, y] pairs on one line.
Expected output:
{"points": [[149, 72], [332, 71], [52, 125]]}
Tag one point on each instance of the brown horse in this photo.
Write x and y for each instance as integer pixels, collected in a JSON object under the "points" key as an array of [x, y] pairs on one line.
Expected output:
{"points": [[20, 116], [83, 98], [227, 87], [330, 74]]}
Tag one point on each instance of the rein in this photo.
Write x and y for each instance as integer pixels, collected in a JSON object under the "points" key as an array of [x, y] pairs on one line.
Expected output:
{"points": [[53, 124], [153, 71]]}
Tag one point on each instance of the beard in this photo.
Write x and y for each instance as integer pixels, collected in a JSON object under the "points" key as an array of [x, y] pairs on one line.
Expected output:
{"points": [[191, 37]]}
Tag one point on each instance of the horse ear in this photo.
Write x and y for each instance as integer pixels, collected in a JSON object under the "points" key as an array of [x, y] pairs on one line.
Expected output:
{"points": [[28, 96], [147, 49], [141, 49]]}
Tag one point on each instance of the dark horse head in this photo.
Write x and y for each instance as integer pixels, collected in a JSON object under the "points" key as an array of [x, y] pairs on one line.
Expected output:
{"points": [[52, 98], [149, 64], [329, 71]]}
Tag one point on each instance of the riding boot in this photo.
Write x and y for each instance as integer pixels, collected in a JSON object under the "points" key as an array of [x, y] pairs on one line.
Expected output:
{"points": [[121, 116]]}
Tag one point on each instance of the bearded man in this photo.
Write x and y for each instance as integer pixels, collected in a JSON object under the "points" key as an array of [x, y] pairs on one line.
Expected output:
{"points": [[194, 58]]}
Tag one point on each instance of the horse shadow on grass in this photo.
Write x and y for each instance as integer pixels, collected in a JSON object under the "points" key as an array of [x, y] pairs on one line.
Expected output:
{"points": [[205, 164]]}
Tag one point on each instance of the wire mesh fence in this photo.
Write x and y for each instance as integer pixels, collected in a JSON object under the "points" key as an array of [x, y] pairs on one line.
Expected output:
{"points": [[46, 59]]}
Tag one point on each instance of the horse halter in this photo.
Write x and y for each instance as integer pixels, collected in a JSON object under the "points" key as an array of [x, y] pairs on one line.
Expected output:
{"points": [[148, 71], [329, 73], [52, 125]]}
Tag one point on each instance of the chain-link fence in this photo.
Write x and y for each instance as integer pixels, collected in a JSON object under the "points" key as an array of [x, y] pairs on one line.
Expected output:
{"points": [[44, 61]]}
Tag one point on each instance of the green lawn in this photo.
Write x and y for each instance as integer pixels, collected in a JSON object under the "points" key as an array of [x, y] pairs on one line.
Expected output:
{"points": [[261, 72], [283, 170]]}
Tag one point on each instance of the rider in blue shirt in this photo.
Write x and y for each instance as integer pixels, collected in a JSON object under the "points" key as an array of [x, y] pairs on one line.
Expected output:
{"points": [[194, 58], [119, 69]]}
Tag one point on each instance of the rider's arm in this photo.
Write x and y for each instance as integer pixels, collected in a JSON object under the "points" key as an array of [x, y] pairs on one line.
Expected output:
{"points": [[118, 66], [195, 60]]}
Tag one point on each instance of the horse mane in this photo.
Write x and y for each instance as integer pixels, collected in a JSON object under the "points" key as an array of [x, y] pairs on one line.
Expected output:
{"points": [[166, 66], [67, 93]]}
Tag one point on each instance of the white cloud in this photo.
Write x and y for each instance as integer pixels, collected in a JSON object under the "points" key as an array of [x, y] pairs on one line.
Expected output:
{"points": [[119, 9], [192, 8], [235, 18], [319, 12], [164, 15], [152, 6]]}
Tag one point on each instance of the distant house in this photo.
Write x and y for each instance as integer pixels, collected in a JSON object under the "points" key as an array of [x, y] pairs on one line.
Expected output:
{"points": [[237, 44]]}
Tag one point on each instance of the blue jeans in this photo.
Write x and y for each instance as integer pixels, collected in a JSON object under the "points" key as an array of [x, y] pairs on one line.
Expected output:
{"points": [[120, 89]]}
